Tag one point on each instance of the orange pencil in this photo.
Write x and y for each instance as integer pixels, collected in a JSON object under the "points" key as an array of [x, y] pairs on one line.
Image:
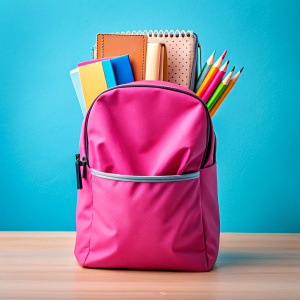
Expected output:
{"points": [[231, 84], [210, 75]]}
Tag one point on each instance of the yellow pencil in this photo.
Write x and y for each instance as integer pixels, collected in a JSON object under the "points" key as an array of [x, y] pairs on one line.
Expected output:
{"points": [[210, 75], [231, 84]]}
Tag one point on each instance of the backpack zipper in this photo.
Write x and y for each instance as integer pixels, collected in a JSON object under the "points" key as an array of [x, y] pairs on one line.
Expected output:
{"points": [[208, 131], [134, 178]]}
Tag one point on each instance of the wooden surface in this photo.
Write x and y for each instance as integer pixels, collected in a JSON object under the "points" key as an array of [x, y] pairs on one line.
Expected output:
{"points": [[42, 265]]}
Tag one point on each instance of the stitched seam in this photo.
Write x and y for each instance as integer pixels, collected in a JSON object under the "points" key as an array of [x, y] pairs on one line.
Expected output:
{"points": [[122, 34], [203, 223], [98, 45], [91, 230], [102, 46]]}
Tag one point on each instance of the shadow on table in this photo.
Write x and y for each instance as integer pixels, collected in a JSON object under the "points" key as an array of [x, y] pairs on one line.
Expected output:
{"points": [[227, 259]]}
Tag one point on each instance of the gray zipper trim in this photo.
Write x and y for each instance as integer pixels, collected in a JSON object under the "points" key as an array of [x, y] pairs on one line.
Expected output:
{"points": [[131, 178]]}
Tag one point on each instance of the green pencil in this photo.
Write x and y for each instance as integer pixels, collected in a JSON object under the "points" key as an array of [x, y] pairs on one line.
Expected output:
{"points": [[205, 70], [219, 90]]}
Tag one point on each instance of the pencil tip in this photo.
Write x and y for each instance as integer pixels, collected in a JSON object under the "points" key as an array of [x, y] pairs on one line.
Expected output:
{"points": [[214, 52], [227, 62], [223, 55], [232, 69], [241, 70]]}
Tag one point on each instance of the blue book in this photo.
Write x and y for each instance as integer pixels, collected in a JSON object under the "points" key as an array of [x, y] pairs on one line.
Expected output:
{"points": [[78, 89], [122, 69], [109, 73]]}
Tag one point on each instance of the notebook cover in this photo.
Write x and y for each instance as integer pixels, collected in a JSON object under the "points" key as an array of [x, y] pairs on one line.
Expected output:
{"points": [[122, 44], [93, 81], [122, 69], [109, 73], [182, 58], [78, 89]]}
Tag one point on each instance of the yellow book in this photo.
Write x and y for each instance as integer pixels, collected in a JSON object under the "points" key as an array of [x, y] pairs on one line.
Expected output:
{"points": [[93, 81]]}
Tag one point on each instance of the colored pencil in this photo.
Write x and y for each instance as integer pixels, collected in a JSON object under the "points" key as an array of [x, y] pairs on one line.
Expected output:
{"points": [[231, 84], [210, 75], [219, 90], [205, 70], [215, 82]]}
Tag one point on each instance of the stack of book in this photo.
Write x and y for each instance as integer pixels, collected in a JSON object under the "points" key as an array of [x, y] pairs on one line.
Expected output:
{"points": [[93, 77], [123, 58]]}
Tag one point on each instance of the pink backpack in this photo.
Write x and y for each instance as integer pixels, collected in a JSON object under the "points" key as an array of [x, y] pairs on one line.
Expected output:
{"points": [[147, 180]]}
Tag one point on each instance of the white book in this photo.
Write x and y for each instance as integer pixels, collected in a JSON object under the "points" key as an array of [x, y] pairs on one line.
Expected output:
{"points": [[78, 89]]}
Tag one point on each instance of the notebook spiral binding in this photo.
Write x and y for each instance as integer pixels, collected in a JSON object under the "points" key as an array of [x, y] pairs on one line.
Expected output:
{"points": [[161, 33]]}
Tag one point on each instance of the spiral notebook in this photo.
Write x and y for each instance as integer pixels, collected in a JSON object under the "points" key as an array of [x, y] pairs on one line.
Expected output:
{"points": [[182, 54]]}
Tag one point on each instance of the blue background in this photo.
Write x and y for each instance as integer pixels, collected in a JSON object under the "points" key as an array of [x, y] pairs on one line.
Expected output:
{"points": [[257, 126]]}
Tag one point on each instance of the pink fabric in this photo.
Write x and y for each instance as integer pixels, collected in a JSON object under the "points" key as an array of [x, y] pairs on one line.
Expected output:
{"points": [[165, 225], [93, 61]]}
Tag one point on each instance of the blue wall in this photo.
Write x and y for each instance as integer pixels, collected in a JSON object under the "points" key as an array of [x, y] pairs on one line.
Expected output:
{"points": [[257, 127]]}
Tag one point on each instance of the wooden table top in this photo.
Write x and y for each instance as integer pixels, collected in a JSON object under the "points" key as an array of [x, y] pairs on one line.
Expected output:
{"points": [[41, 265]]}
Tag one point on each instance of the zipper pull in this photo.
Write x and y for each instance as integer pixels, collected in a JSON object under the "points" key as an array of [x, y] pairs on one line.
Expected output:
{"points": [[78, 173], [84, 163]]}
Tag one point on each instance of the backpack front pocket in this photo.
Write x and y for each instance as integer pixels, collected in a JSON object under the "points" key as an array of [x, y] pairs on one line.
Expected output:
{"points": [[150, 222]]}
